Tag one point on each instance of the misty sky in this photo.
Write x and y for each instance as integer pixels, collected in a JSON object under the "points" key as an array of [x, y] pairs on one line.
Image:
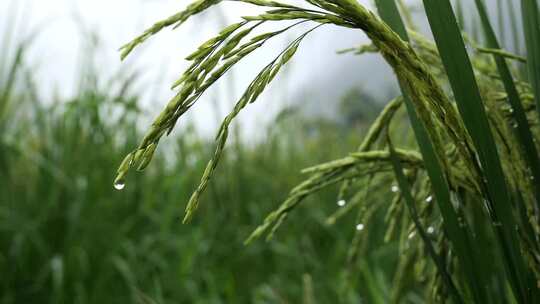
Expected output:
{"points": [[317, 72]]}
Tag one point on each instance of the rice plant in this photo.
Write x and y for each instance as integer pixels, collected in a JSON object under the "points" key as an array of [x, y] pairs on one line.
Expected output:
{"points": [[469, 187], [66, 236]]}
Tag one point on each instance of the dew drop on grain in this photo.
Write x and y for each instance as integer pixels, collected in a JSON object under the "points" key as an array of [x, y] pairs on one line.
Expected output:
{"points": [[119, 185]]}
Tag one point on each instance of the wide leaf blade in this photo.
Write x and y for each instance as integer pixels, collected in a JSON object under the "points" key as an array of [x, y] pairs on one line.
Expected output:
{"points": [[462, 80]]}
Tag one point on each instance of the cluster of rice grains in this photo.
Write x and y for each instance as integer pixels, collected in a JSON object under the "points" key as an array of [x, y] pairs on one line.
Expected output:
{"points": [[448, 169]]}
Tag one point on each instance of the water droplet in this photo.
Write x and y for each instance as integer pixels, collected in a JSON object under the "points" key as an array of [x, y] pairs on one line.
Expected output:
{"points": [[119, 185], [429, 199], [341, 203], [430, 230], [412, 234], [511, 110], [360, 227], [394, 189]]}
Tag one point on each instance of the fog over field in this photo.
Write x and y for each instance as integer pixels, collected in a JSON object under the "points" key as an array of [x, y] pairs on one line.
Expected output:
{"points": [[73, 32]]}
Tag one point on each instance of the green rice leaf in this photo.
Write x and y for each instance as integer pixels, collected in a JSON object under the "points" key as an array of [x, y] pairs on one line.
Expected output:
{"points": [[531, 28], [459, 236], [409, 200], [462, 80], [524, 133], [513, 17]]}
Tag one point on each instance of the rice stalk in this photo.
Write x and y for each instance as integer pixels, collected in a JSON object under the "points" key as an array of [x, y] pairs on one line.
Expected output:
{"points": [[470, 161]]}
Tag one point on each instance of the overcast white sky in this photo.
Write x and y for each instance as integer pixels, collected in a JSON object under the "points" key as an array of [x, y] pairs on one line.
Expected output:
{"points": [[316, 72], [61, 44]]}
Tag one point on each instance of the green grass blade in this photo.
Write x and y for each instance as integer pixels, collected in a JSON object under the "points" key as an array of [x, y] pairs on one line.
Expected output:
{"points": [[458, 235], [6, 40], [524, 133], [460, 14], [531, 29], [513, 17], [462, 80], [389, 13], [500, 21], [409, 200]]}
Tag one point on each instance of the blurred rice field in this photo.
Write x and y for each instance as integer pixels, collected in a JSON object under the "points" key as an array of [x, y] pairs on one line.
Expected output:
{"points": [[66, 236]]}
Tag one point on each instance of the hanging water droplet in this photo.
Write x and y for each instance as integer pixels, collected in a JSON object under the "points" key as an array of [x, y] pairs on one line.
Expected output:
{"points": [[514, 125], [412, 234], [430, 230], [119, 185], [429, 199], [511, 110], [120, 180], [341, 203], [360, 227], [394, 189]]}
